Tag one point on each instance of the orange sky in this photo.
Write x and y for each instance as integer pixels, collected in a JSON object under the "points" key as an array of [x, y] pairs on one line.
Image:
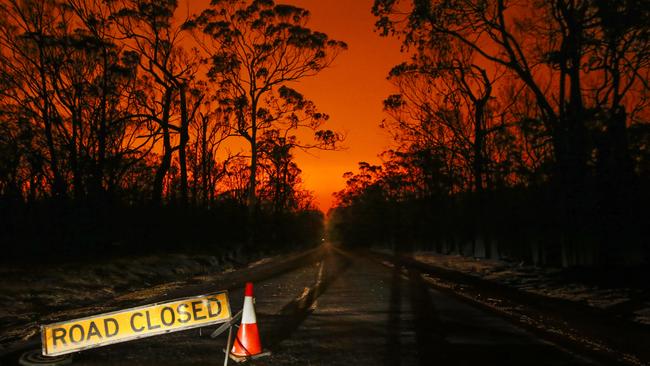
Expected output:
{"points": [[351, 91]]}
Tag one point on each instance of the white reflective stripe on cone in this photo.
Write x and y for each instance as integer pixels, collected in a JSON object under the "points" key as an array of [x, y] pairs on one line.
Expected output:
{"points": [[248, 315]]}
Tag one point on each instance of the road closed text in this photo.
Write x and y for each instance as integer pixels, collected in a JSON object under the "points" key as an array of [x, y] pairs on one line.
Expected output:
{"points": [[143, 321]]}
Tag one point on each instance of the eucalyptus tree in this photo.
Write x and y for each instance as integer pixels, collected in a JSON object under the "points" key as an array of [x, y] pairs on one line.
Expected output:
{"points": [[94, 80], [208, 131], [26, 30], [151, 29], [254, 49], [498, 32], [585, 67], [444, 106], [281, 171], [69, 87]]}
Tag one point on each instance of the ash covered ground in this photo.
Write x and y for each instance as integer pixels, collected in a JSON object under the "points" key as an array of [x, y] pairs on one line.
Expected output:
{"points": [[623, 293]]}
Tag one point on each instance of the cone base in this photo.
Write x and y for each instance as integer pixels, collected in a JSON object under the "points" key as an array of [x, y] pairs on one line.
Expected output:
{"points": [[247, 343], [240, 359]]}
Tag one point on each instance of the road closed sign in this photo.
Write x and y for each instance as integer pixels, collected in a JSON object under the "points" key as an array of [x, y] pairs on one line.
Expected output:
{"points": [[144, 321]]}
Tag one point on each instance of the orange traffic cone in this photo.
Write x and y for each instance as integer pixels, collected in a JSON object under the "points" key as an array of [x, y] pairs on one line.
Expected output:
{"points": [[247, 343]]}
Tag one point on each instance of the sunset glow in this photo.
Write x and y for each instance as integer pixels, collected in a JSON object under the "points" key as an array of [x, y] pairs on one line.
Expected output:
{"points": [[351, 91]]}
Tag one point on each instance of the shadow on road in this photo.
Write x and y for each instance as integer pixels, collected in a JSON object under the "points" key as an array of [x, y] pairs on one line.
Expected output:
{"points": [[296, 311], [429, 329], [394, 325], [430, 342], [468, 336]]}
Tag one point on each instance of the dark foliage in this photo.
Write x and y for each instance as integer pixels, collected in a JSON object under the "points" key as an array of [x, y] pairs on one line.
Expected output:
{"points": [[521, 132], [113, 139], [50, 230]]}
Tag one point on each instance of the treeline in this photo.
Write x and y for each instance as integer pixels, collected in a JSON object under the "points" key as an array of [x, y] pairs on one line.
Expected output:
{"points": [[521, 131], [122, 124]]}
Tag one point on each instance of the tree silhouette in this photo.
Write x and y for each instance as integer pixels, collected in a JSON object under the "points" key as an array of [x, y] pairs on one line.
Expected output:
{"points": [[68, 81], [209, 131], [112, 132], [150, 28], [256, 48], [560, 66]]}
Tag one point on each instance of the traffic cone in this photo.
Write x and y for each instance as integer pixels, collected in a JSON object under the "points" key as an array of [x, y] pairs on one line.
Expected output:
{"points": [[247, 343]]}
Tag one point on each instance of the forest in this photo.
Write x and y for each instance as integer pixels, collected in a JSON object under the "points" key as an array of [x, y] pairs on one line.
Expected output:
{"points": [[134, 125], [520, 131]]}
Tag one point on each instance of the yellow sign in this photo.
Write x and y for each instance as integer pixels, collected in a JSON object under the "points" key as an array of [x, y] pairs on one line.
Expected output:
{"points": [[125, 325]]}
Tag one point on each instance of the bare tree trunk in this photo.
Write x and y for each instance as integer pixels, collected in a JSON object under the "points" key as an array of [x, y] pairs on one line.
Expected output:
{"points": [[205, 177], [162, 170], [74, 153], [576, 175], [98, 177], [184, 138], [480, 103], [59, 186], [252, 179]]}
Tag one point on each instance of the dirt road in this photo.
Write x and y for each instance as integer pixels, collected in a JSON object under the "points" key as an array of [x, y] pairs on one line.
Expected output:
{"points": [[345, 309]]}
